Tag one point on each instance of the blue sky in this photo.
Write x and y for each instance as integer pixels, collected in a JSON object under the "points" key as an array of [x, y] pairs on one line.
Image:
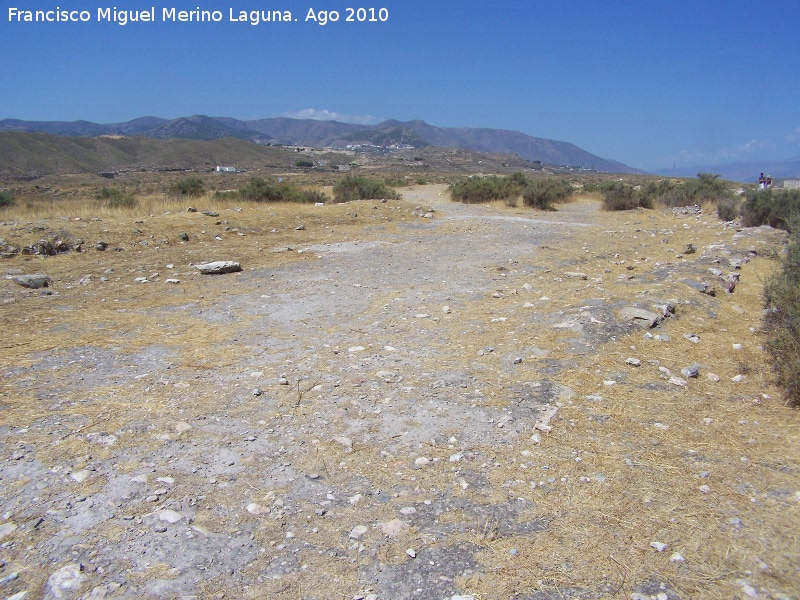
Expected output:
{"points": [[648, 83]]}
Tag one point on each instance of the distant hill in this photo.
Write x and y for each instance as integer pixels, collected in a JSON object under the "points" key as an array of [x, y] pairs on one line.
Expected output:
{"points": [[743, 171], [34, 154], [333, 134]]}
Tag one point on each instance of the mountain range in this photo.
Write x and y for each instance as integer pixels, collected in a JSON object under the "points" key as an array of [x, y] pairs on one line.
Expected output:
{"points": [[333, 134]]}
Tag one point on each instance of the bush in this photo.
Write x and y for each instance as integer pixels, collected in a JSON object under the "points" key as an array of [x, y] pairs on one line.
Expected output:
{"points": [[621, 196], [478, 190], [361, 188], [114, 198], [190, 187], [6, 199], [782, 321], [543, 193], [304, 163], [259, 190], [776, 208], [727, 209]]}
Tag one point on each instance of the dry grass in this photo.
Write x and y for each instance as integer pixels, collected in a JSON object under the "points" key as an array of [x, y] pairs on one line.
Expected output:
{"points": [[627, 469]]}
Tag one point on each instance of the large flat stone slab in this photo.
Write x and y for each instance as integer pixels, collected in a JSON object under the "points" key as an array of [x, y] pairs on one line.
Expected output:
{"points": [[219, 267]]}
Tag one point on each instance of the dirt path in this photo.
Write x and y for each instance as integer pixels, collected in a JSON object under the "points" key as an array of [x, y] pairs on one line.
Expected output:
{"points": [[375, 421]]}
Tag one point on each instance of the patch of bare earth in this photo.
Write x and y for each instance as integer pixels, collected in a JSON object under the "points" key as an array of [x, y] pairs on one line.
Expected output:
{"points": [[388, 405]]}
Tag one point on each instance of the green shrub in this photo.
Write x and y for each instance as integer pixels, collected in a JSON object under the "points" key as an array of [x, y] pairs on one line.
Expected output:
{"points": [[361, 188], [6, 199], [727, 209], [777, 208], [782, 320], [304, 163], [621, 196], [114, 198], [478, 190], [544, 193], [259, 190], [189, 186]]}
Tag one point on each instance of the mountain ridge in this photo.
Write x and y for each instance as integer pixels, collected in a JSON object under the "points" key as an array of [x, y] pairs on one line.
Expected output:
{"points": [[335, 134]]}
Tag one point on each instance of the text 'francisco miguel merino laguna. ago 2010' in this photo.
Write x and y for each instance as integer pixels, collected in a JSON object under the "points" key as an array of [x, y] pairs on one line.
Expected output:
{"points": [[173, 15]]}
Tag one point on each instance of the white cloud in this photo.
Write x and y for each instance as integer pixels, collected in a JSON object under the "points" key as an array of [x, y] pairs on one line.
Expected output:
{"points": [[741, 151], [327, 115], [794, 136]]}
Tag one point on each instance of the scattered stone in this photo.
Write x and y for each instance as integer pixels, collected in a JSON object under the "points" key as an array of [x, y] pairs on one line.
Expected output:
{"points": [[67, 580], [257, 392], [358, 531], [80, 476], [712, 377], [422, 461], [191, 209], [639, 315], [183, 236], [658, 546], [677, 557], [219, 267], [210, 213], [576, 275], [690, 249], [170, 516], [677, 381], [300, 228], [411, 553], [633, 362], [738, 378], [346, 442], [691, 371], [256, 509], [355, 348], [182, 427], [172, 281], [393, 528], [35, 281], [6, 529], [100, 245]]}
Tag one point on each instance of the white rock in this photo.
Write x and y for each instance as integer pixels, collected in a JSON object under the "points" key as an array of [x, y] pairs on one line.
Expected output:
{"points": [[170, 516], [677, 557], [422, 461], [256, 509], [393, 527], [633, 362], [80, 476], [6, 529], [358, 531], [355, 348], [65, 581], [408, 510], [658, 546], [677, 381], [455, 457], [181, 427], [738, 378], [412, 553]]}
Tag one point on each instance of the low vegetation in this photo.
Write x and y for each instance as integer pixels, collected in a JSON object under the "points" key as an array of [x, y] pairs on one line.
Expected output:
{"points": [[362, 188], [6, 199], [776, 208], [261, 190], [782, 320], [190, 187], [115, 198], [535, 193], [707, 188]]}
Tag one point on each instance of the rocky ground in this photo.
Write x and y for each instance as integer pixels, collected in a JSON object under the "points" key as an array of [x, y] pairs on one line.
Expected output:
{"points": [[430, 401]]}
